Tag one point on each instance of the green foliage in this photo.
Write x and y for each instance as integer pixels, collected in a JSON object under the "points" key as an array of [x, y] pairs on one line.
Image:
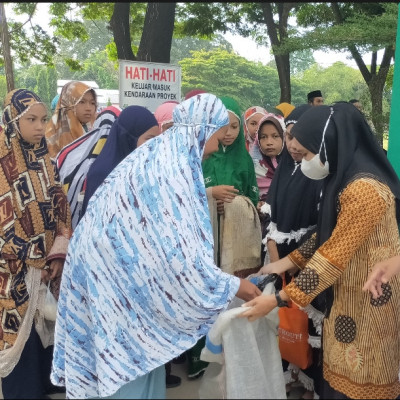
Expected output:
{"points": [[42, 88], [25, 8], [338, 82], [87, 31], [67, 21], [111, 50], [100, 69], [97, 11], [227, 74], [74, 65], [28, 40], [39, 78], [96, 67], [79, 26], [72, 53], [312, 14], [183, 47], [369, 26], [204, 20], [224, 73], [51, 83], [200, 19], [300, 61], [389, 78], [3, 91]]}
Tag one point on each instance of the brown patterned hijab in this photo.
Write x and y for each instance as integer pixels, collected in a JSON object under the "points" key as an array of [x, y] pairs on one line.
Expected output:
{"points": [[33, 211], [64, 127]]}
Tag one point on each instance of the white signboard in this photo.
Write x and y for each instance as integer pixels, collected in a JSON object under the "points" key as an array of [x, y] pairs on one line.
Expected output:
{"points": [[148, 84]]}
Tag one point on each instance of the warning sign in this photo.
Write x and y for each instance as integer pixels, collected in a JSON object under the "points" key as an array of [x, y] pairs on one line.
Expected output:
{"points": [[148, 84]]}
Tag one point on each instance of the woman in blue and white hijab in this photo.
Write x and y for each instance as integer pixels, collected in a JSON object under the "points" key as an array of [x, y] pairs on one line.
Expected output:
{"points": [[139, 285]]}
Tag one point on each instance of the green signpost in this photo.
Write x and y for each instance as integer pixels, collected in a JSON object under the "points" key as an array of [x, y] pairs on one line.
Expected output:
{"points": [[394, 123]]}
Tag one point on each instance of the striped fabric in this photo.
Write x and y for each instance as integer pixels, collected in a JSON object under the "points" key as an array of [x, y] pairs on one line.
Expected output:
{"points": [[74, 160], [139, 284]]}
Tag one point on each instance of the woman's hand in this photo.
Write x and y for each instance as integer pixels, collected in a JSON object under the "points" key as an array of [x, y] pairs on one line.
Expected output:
{"points": [[278, 267], [45, 276], [260, 307], [224, 192], [259, 205], [247, 290], [56, 268], [381, 273]]}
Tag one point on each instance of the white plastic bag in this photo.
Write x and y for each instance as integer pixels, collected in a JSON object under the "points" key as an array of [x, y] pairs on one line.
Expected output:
{"points": [[249, 364], [50, 306]]}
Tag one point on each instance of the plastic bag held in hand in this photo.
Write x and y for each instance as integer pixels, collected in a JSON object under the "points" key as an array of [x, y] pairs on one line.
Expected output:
{"points": [[50, 306]]}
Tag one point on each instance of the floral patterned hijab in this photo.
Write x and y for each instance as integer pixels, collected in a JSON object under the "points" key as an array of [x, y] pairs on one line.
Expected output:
{"points": [[247, 115]]}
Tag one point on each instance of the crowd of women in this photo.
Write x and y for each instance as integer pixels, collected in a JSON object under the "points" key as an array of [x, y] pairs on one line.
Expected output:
{"points": [[144, 227]]}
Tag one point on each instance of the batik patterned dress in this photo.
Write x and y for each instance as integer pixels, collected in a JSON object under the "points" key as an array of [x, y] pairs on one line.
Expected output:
{"points": [[361, 350]]}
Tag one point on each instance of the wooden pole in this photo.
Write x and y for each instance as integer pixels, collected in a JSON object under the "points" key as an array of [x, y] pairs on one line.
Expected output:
{"points": [[5, 41]]}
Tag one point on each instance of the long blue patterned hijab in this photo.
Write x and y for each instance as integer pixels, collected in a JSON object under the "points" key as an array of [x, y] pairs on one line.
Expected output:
{"points": [[139, 285]]}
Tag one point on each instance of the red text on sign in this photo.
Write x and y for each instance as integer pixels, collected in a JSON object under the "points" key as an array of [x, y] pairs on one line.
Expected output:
{"points": [[145, 73]]}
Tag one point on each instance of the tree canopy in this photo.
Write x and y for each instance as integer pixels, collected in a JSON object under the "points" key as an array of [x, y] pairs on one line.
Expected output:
{"points": [[87, 43]]}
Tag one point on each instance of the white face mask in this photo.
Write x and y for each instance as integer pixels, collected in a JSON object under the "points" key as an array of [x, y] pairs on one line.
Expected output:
{"points": [[314, 169]]}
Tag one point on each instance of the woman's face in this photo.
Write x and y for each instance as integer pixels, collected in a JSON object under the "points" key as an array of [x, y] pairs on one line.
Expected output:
{"points": [[297, 156], [252, 124], [298, 148], [233, 130], [32, 125], [213, 143], [149, 134], [85, 109], [269, 139]]}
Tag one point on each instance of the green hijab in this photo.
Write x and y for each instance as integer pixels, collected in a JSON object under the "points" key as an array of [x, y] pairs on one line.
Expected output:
{"points": [[232, 165]]}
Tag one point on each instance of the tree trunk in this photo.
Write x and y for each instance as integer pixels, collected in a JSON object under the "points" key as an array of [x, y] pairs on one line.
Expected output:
{"points": [[120, 27], [376, 83], [375, 78], [282, 60], [283, 66], [156, 40], [375, 88], [5, 40]]}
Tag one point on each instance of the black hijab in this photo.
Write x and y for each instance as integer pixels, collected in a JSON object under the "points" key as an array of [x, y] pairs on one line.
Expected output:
{"points": [[294, 116], [293, 198], [353, 152], [122, 140]]}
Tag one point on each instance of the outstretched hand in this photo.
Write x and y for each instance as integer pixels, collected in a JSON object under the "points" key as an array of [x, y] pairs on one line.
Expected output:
{"points": [[278, 267], [247, 290], [381, 273], [259, 307]]}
